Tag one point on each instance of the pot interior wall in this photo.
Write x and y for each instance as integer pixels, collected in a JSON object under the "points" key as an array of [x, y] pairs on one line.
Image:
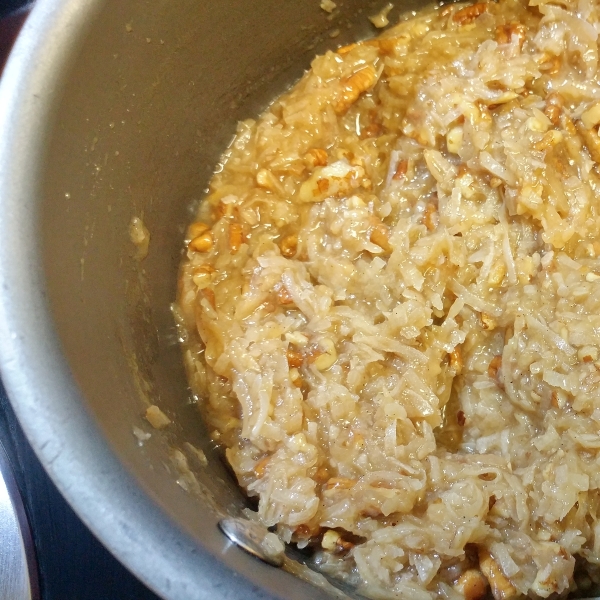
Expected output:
{"points": [[150, 102]]}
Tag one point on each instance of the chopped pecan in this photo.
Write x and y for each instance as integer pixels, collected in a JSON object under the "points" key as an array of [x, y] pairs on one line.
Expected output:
{"points": [[401, 169], [260, 468], [456, 360], [502, 588], [472, 584], [316, 157], [236, 237], [505, 32], [495, 366], [202, 243], [294, 358], [430, 217], [289, 246], [380, 235], [469, 13], [353, 87]]}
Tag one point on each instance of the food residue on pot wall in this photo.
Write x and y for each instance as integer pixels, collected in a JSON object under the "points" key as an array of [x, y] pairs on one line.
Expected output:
{"points": [[140, 237]]}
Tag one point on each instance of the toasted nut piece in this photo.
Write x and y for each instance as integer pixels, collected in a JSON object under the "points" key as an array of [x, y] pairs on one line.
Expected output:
{"points": [[388, 45], [289, 246], [488, 322], [588, 354], [268, 181], [329, 541], [354, 86], [322, 475], [283, 296], [157, 417], [472, 584], [568, 124], [236, 237], [333, 542], [196, 229], [371, 130], [202, 276], [329, 356], [380, 235], [202, 243], [505, 98], [550, 139], [469, 13], [316, 157], [591, 141], [552, 111], [307, 531], [322, 185], [502, 588], [342, 483], [494, 366], [497, 273], [209, 294], [336, 180], [295, 377], [456, 360], [454, 139], [505, 32], [263, 178], [401, 169], [430, 217], [260, 468], [551, 65], [294, 358], [225, 209], [201, 279], [591, 117], [503, 35]]}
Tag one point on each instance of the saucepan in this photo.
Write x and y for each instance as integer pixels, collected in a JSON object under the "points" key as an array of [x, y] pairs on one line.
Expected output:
{"points": [[111, 110]]}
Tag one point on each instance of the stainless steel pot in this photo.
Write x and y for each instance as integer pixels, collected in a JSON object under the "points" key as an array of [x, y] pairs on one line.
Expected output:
{"points": [[108, 110]]}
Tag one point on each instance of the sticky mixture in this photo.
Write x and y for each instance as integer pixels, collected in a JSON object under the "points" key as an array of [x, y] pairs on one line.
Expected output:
{"points": [[391, 299]]}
